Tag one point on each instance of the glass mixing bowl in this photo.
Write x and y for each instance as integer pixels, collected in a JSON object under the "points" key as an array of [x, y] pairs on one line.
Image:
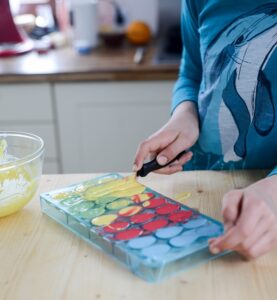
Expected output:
{"points": [[21, 160]]}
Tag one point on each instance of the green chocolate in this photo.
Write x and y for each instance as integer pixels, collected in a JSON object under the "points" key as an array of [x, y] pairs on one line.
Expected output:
{"points": [[92, 213], [118, 204]]}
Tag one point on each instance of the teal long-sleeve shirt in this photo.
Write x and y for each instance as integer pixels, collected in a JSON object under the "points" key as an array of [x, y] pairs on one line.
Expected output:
{"points": [[229, 69]]}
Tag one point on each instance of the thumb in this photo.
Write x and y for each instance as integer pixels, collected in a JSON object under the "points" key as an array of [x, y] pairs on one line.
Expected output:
{"points": [[172, 151], [231, 207], [159, 140]]}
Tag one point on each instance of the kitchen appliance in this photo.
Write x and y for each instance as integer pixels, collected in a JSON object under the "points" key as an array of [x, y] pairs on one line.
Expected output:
{"points": [[13, 40], [170, 46], [85, 25], [170, 42]]}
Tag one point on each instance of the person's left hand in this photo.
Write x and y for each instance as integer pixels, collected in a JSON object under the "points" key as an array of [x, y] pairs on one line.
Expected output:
{"points": [[250, 222]]}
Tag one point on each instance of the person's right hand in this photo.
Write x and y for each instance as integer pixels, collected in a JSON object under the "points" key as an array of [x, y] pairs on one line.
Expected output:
{"points": [[179, 134]]}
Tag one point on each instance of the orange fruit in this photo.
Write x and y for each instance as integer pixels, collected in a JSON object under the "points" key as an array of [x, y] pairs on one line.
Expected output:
{"points": [[138, 33]]}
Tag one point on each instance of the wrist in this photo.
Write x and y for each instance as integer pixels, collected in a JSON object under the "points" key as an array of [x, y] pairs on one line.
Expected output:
{"points": [[186, 111], [185, 108], [266, 186], [185, 120]]}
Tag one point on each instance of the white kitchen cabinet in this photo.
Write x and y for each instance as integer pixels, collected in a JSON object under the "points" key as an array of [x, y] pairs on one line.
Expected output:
{"points": [[25, 102], [101, 123], [29, 108]]}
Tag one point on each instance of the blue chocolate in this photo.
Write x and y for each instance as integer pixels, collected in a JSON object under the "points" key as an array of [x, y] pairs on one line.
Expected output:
{"points": [[210, 229], [156, 251], [169, 232], [142, 242], [185, 239], [194, 223]]}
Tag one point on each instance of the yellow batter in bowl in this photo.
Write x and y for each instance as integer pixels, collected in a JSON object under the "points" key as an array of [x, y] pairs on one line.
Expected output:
{"points": [[21, 158]]}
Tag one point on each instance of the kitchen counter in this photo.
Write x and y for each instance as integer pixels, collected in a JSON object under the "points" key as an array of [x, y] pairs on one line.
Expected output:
{"points": [[39, 259], [101, 65]]}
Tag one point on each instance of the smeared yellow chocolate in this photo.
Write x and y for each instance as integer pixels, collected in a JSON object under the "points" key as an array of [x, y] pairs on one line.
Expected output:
{"points": [[182, 196], [62, 195], [123, 187], [103, 220], [129, 211]]}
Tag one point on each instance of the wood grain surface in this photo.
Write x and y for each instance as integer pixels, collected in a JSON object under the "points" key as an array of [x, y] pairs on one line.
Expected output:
{"points": [[39, 259]]}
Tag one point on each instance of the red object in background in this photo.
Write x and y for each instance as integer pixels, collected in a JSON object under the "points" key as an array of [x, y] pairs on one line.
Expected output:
{"points": [[12, 40]]}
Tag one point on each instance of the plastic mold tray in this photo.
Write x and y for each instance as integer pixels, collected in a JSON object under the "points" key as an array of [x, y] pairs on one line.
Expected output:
{"points": [[152, 235]]}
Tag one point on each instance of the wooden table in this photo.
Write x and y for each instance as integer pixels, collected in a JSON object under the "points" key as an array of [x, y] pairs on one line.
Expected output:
{"points": [[40, 259]]}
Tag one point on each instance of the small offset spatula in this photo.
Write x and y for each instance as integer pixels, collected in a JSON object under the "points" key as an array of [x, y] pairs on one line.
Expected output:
{"points": [[153, 165]]}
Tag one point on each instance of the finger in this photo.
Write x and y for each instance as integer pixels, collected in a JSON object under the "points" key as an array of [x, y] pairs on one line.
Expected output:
{"points": [[185, 158], [176, 166], [153, 144], [172, 150], [231, 207], [180, 162], [263, 245], [170, 169], [264, 225], [239, 232]]}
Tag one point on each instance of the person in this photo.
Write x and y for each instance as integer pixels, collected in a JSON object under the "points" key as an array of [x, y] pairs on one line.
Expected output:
{"points": [[224, 113]]}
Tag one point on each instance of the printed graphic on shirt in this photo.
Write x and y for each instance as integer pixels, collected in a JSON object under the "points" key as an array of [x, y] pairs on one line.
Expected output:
{"points": [[235, 83]]}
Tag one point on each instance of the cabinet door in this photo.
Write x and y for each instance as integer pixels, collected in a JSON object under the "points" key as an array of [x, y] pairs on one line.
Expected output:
{"points": [[29, 108], [101, 124], [25, 102]]}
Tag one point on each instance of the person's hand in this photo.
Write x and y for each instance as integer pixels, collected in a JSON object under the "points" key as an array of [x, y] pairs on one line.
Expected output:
{"points": [[250, 220], [179, 134]]}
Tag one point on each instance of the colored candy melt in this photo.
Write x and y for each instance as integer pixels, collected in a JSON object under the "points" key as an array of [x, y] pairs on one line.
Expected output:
{"points": [[167, 209], [141, 242], [136, 189], [71, 201], [62, 195], [183, 196], [105, 200], [188, 237], [156, 251], [103, 220], [118, 204], [129, 211], [185, 239], [142, 197], [180, 216], [153, 203], [195, 223], [81, 207], [169, 232], [142, 218], [128, 234], [116, 227], [209, 230], [92, 213], [80, 188], [154, 225], [122, 187]]}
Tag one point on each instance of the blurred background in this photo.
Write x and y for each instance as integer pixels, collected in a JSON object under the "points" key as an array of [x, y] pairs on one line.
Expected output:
{"points": [[92, 78]]}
